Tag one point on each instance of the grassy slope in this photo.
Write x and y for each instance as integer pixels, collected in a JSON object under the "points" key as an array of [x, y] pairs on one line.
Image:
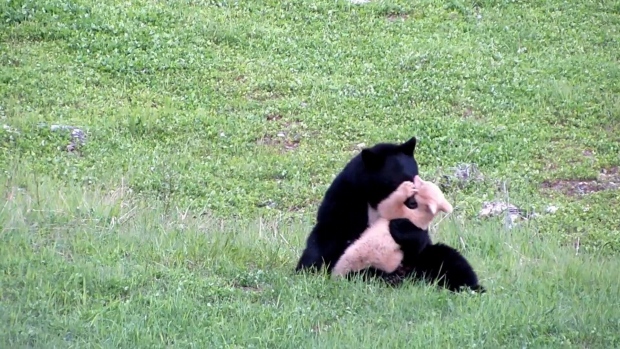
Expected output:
{"points": [[193, 104]]}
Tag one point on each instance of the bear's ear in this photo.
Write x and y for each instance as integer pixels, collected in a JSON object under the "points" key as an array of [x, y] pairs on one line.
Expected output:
{"points": [[408, 148], [371, 159]]}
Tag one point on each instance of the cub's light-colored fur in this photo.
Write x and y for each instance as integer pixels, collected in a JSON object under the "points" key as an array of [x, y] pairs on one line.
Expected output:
{"points": [[376, 247], [373, 215]]}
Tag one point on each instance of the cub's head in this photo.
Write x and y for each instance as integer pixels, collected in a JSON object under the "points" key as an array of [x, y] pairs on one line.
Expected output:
{"points": [[429, 197], [386, 166]]}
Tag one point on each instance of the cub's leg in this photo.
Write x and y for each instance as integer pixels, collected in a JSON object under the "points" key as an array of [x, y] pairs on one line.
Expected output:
{"points": [[375, 248], [353, 258]]}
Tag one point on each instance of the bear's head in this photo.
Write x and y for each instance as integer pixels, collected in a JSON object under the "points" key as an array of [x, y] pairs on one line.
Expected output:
{"points": [[387, 166]]}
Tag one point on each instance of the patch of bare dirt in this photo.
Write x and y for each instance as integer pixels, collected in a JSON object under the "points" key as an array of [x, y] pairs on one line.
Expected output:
{"points": [[250, 288], [288, 138], [261, 96], [306, 204], [466, 111], [320, 328], [282, 140], [356, 148], [613, 131], [245, 287], [78, 137], [460, 176], [274, 117], [607, 179], [397, 16]]}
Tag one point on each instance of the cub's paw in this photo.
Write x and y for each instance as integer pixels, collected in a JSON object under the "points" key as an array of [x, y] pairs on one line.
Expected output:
{"points": [[394, 206], [405, 190]]}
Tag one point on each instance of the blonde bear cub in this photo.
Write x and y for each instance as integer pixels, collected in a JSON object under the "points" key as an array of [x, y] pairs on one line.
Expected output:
{"points": [[376, 247]]}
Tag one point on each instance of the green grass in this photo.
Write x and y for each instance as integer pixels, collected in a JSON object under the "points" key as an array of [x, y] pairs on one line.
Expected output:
{"points": [[102, 270], [214, 128]]}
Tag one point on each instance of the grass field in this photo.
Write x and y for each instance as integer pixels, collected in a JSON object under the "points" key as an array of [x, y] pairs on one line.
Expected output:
{"points": [[213, 129]]}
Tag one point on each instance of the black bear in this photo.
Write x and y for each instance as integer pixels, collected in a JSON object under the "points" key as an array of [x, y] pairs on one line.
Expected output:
{"points": [[368, 178]]}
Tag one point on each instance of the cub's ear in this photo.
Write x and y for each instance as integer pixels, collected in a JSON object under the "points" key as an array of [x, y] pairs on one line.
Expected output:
{"points": [[371, 159], [446, 207], [418, 182], [408, 148], [433, 208]]}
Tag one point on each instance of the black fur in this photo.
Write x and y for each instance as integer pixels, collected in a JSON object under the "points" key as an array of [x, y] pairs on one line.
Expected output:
{"points": [[369, 178], [426, 261]]}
